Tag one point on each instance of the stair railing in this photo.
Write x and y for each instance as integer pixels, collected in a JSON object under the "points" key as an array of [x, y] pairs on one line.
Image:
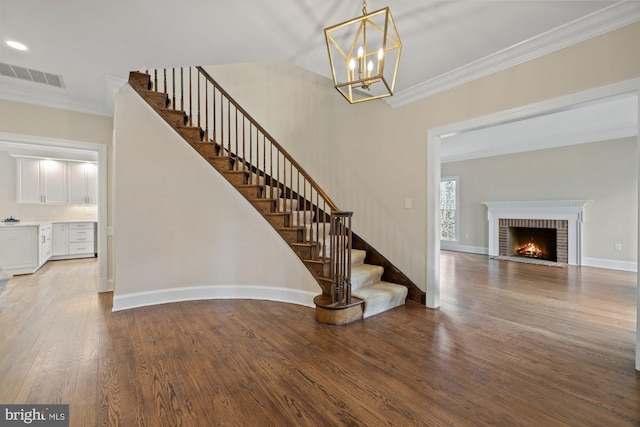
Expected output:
{"points": [[224, 122], [341, 258]]}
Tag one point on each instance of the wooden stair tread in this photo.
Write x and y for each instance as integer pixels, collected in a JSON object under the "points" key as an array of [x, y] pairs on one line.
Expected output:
{"points": [[185, 127], [294, 228], [305, 244], [318, 261]]}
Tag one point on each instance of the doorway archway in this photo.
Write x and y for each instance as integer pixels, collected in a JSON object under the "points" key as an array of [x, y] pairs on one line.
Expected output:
{"points": [[434, 169]]}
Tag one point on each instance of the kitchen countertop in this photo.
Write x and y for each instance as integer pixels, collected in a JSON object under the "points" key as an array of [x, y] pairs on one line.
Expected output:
{"points": [[38, 223]]}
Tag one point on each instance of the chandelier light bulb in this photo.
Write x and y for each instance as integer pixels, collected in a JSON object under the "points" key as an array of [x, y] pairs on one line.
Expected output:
{"points": [[352, 67]]}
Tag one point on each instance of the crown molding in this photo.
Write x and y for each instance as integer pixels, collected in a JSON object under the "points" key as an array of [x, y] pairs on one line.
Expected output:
{"points": [[595, 24], [563, 140], [548, 106], [112, 86], [47, 97]]}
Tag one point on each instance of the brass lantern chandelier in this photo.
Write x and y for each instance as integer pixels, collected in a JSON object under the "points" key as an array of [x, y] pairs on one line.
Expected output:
{"points": [[364, 53]]}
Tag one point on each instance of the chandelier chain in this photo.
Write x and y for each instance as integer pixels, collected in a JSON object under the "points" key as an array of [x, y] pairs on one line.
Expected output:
{"points": [[364, 7]]}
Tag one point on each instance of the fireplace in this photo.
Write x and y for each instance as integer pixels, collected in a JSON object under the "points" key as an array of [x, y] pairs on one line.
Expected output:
{"points": [[542, 232], [535, 243], [535, 239]]}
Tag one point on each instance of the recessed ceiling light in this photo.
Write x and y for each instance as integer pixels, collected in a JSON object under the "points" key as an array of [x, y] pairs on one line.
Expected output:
{"points": [[16, 45]]}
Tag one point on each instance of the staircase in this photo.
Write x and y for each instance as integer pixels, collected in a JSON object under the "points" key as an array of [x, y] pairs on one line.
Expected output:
{"points": [[272, 181]]}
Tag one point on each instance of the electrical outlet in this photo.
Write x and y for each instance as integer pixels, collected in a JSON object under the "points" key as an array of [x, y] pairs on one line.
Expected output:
{"points": [[466, 235], [408, 203], [617, 247]]}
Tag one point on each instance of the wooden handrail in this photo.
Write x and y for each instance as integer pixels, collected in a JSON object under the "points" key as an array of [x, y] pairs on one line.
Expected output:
{"points": [[271, 139]]}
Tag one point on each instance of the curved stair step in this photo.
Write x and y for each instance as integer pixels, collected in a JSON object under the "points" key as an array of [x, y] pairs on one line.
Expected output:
{"points": [[365, 274], [301, 218], [380, 296], [357, 257], [269, 191], [287, 205]]}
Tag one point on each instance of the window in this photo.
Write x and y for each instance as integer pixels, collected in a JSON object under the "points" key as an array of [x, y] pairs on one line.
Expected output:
{"points": [[449, 208]]}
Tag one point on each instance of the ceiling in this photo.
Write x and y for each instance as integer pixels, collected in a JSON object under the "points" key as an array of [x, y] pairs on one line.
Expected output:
{"points": [[94, 44]]}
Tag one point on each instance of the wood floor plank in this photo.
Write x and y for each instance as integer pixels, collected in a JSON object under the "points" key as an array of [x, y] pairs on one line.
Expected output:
{"points": [[512, 344]]}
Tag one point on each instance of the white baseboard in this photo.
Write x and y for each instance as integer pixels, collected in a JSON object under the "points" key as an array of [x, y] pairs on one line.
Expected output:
{"points": [[610, 264], [269, 293], [586, 262], [456, 247]]}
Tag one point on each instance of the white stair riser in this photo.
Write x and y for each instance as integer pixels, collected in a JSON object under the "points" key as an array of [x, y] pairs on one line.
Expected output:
{"points": [[288, 205], [301, 218], [365, 274], [271, 192]]}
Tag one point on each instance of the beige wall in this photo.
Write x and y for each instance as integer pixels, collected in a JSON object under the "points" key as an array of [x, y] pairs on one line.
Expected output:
{"points": [[30, 119], [603, 172], [369, 157], [45, 123], [182, 231]]}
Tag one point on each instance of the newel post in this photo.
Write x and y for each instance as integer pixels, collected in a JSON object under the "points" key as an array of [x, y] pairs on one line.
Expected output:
{"points": [[341, 258]]}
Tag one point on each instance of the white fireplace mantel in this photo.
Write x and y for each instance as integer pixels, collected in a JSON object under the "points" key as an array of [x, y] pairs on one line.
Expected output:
{"points": [[570, 210]]}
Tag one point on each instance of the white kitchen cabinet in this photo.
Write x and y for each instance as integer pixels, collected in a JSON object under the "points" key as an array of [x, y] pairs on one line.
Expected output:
{"points": [[41, 181], [45, 244], [83, 182], [81, 239], [29, 181], [60, 233], [19, 249], [73, 240]]}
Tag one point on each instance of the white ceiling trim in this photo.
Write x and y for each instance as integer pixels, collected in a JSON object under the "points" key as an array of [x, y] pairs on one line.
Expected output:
{"points": [[541, 108], [54, 98], [562, 141], [49, 152], [612, 18]]}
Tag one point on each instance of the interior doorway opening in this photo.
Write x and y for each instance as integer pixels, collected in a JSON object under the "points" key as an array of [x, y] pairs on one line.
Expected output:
{"points": [[434, 150], [80, 148]]}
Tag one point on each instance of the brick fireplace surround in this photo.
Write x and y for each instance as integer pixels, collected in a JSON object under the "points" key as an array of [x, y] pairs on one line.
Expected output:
{"points": [[566, 216], [560, 225]]}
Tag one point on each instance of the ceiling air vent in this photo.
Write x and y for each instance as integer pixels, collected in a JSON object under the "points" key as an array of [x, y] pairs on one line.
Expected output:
{"points": [[30, 75]]}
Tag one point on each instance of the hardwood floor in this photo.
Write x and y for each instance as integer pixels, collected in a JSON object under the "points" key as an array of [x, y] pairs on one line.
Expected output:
{"points": [[512, 344]]}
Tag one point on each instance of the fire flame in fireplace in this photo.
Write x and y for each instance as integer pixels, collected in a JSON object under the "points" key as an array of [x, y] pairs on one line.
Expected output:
{"points": [[530, 250]]}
